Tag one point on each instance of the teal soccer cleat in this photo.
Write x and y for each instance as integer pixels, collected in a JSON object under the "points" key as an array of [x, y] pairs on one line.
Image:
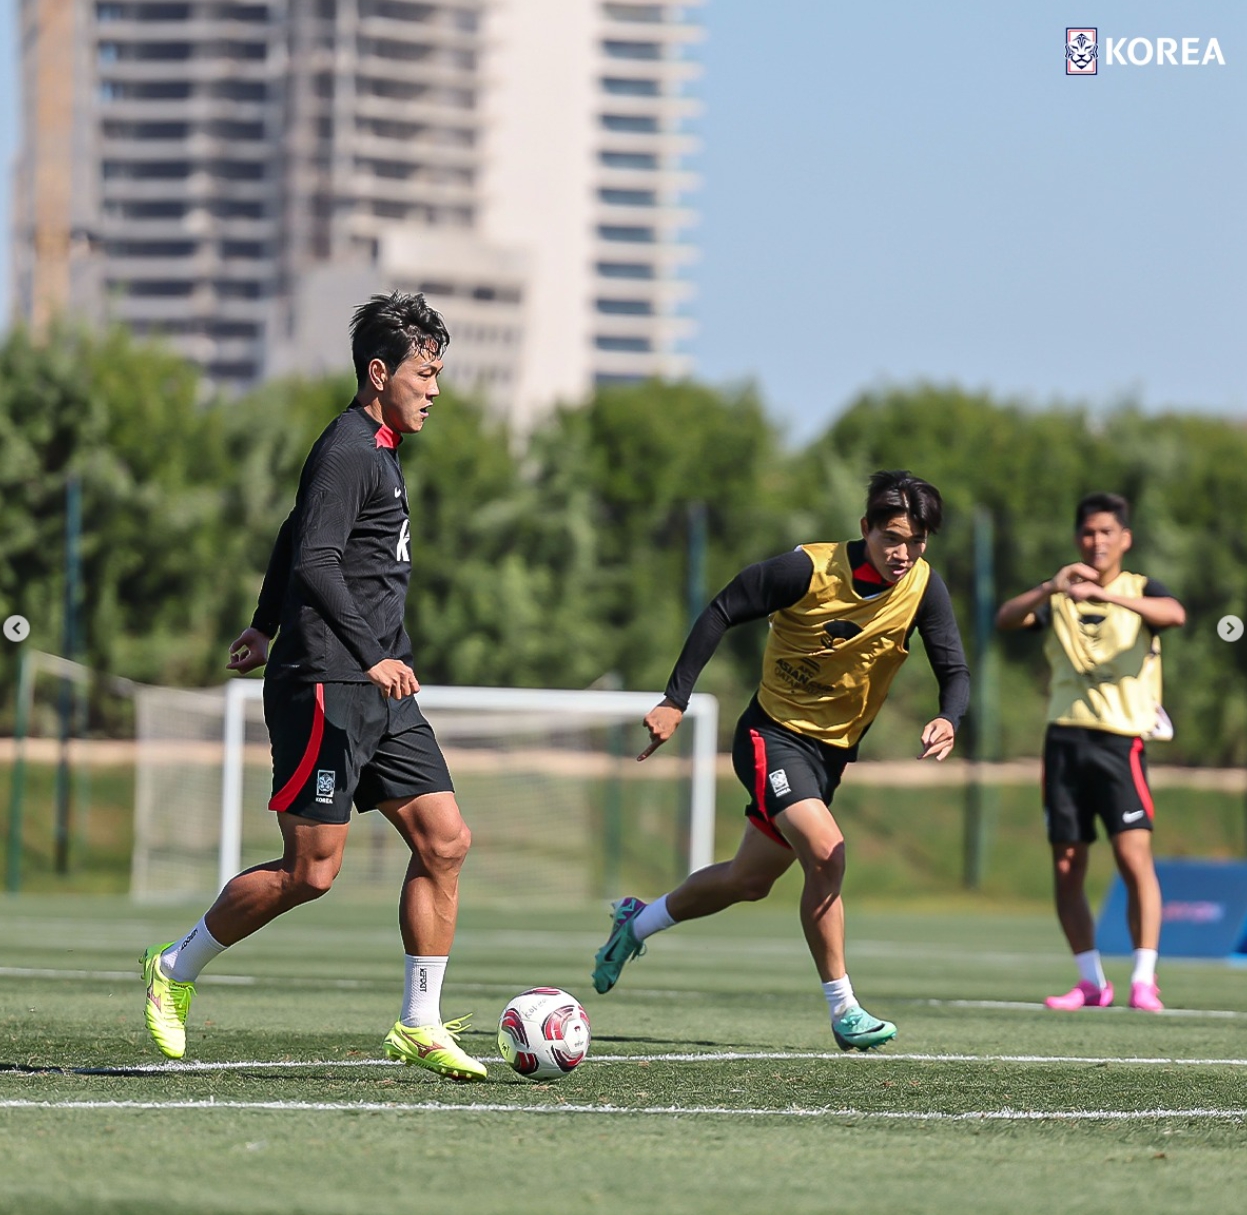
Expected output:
{"points": [[856, 1029], [621, 946]]}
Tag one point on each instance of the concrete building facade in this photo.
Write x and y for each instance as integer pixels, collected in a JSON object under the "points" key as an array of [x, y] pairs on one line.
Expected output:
{"points": [[231, 176]]}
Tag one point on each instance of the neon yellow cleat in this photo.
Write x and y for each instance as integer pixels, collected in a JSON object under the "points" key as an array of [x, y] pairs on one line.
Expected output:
{"points": [[435, 1047], [168, 1003]]}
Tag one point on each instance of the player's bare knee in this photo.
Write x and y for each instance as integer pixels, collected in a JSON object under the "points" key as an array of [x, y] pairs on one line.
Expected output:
{"points": [[446, 853], [829, 863], [1069, 865], [315, 886], [310, 882], [752, 887]]}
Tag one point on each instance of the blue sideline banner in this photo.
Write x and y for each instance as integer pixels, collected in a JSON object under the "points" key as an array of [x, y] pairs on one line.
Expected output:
{"points": [[1204, 911]]}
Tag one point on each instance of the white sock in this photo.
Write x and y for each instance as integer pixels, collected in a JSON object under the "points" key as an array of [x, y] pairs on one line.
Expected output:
{"points": [[1144, 966], [1089, 968], [653, 917], [422, 998], [839, 993], [184, 959]]}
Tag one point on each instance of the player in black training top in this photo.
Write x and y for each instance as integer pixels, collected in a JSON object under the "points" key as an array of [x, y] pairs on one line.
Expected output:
{"points": [[841, 618], [339, 698]]}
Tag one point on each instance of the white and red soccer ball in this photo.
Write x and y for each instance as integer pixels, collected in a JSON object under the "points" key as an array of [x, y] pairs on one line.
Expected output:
{"points": [[544, 1033]]}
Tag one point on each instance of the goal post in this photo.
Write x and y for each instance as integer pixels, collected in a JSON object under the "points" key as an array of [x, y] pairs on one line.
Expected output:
{"points": [[547, 779]]}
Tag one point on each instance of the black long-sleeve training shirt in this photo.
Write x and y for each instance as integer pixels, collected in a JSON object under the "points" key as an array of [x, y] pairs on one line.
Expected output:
{"points": [[771, 585], [336, 584]]}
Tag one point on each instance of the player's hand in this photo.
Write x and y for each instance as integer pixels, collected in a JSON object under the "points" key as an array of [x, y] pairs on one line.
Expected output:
{"points": [[1082, 592], [661, 722], [1071, 575], [247, 651], [395, 679], [937, 739]]}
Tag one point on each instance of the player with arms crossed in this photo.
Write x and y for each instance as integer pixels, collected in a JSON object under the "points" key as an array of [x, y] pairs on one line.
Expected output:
{"points": [[339, 699], [1103, 646], [841, 618]]}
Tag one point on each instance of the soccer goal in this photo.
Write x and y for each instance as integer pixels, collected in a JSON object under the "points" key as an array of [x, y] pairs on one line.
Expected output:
{"points": [[547, 779]]}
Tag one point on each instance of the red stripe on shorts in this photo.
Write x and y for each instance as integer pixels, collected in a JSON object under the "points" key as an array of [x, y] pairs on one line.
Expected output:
{"points": [[1140, 781], [282, 800], [763, 820]]}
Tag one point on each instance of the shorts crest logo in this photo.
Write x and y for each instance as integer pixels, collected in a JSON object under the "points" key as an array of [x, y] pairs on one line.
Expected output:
{"points": [[324, 785], [1082, 51], [779, 782]]}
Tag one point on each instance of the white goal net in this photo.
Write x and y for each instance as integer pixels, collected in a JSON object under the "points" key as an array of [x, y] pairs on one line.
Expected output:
{"points": [[547, 780]]}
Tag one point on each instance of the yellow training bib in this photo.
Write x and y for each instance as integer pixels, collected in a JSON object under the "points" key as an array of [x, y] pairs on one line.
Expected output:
{"points": [[831, 657], [1105, 663]]}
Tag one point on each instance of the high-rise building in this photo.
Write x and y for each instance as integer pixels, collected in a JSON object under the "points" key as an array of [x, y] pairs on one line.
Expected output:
{"points": [[586, 147], [231, 175], [175, 231]]}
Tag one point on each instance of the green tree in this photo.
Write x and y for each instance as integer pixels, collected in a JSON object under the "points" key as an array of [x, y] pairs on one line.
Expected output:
{"points": [[647, 455], [126, 420]]}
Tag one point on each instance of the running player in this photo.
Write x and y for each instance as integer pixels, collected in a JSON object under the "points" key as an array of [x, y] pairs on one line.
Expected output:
{"points": [[1103, 645], [339, 698], [841, 619]]}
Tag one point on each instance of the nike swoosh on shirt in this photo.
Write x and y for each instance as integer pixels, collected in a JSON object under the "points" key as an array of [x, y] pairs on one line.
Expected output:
{"points": [[1131, 817], [397, 492]]}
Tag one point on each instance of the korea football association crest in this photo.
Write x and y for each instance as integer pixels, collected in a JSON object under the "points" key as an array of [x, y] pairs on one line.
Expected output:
{"points": [[1082, 51], [325, 781], [779, 782]]}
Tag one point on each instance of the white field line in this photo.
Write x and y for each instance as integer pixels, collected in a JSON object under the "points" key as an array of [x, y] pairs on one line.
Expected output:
{"points": [[498, 1107], [873, 1057], [122, 976]]}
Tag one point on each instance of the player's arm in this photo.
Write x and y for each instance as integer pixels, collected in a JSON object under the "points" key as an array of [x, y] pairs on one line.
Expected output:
{"points": [[941, 640], [754, 593], [1157, 606], [1020, 611], [332, 495], [249, 649]]}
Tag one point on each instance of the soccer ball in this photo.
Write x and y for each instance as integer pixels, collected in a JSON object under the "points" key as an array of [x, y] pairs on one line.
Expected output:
{"points": [[543, 1033]]}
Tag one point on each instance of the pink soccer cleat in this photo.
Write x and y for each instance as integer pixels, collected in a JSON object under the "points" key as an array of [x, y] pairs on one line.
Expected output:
{"points": [[1146, 997], [1085, 995]]}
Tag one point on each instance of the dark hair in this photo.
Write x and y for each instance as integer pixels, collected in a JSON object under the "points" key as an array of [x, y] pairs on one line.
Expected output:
{"points": [[899, 492], [1102, 503], [392, 328]]}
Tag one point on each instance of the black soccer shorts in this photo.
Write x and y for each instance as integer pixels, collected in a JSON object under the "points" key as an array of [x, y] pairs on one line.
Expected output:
{"points": [[1090, 774], [338, 743], [779, 768]]}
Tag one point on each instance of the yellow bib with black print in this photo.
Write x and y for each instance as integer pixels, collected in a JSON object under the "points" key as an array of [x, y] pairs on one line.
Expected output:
{"points": [[1105, 663], [831, 657]]}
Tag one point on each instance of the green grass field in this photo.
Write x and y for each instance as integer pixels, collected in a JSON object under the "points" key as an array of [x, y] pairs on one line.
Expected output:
{"points": [[712, 1086]]}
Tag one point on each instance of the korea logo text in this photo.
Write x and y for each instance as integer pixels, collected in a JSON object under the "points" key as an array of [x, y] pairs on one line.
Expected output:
{"points": [[1083, 51]]}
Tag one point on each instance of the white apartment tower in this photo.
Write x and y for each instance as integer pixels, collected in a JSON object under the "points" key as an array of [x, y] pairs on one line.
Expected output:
{"points": [[232, 175], [586, 147]]}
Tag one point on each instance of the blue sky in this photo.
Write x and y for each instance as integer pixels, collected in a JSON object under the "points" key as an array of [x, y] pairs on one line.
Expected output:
{"points": [[909, 190], [903, 191]]}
